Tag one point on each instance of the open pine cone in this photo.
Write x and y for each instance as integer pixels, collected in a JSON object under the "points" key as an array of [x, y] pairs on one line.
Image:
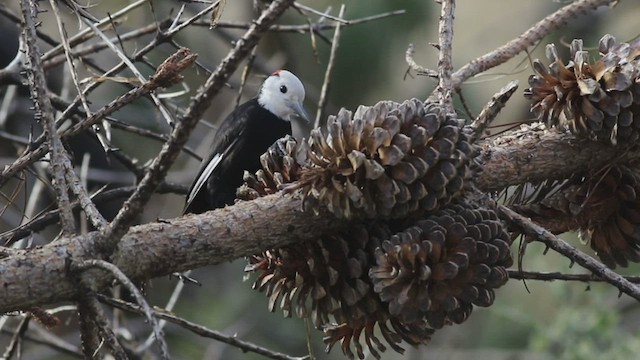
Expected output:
{"points": [[437, 269], [281, 164], [387, 160], [598, 99], [605, 208]]}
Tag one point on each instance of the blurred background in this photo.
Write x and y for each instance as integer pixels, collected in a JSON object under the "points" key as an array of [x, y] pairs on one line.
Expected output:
{"points": [[536, 320]]}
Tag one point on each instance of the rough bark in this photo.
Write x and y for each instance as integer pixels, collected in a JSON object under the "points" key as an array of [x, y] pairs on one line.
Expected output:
{"points": [[41, 275]]}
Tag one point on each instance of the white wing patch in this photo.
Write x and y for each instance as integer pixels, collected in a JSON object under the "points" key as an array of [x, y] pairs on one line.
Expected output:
{"points": [[202, 179]]}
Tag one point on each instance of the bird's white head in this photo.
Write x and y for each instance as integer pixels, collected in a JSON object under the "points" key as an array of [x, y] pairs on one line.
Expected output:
{"points": [[282, 93]]}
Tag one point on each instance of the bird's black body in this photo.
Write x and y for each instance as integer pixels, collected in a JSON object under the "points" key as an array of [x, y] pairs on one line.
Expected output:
{"points": [[242, 137]]}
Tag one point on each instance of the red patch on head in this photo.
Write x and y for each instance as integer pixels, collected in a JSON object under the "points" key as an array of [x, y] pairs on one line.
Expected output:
{"points": [[277, 72]]}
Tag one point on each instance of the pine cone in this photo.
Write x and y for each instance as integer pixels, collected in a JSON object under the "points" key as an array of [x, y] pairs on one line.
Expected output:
{"points": [[437, 269], [281, 164], [331, 272], [600, 100], [387, 160], [605, 208]]}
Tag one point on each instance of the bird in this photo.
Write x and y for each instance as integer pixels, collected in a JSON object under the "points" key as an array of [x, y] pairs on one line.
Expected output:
{"points": [[244, 135]]}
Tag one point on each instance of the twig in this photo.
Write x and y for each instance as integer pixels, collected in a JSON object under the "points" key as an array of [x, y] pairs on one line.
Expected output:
{"points": [[17, 336], [90, 209], [67, 53], [82, 35], [93, 322], [245, 76], [318, 26], [526, 39], [339, 19], [47, 339], [162, 78], [173, 300], [180, 134], [89, 338], [51, 217], [543, 235], [408, 58], [493, 107], [124, 280], [445, 65], [335, 43], [551, 276], [199, 329], [125, 59], [44, 111]]}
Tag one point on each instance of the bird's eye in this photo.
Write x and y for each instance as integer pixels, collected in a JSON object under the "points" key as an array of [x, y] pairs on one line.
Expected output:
{"points": [[283, 89]]}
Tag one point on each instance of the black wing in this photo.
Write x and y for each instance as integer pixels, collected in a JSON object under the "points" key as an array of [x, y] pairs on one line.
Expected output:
{"points": [[226, 138]]}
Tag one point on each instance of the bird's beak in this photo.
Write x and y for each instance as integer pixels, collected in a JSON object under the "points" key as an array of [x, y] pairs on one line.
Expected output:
{"points": [[298, 108]]}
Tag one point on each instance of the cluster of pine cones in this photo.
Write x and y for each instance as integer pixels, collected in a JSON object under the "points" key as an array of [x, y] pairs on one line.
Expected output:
{"points": [[599, 100], [418, 252]]}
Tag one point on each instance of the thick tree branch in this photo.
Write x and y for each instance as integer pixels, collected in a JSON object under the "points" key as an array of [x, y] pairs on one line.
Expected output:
{"points": [[534, 154], [159, 249], [246, 228]]}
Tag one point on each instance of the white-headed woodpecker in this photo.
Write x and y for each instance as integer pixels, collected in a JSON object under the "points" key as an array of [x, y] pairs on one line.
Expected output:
{"points": [[242, 137]]}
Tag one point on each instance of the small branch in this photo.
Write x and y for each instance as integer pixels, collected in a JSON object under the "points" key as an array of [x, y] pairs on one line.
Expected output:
{"points": [[89, 338], [529, 38], [200, 330], [44, 110], [94, 322], [301, 29], [322, 102], [124, 280], [47, 339], [420, 70], [445, 65], [493, 107], [67, 53], [17, 336], [51, 217], [541, 234], [552, 276], [162, 78], [75, 184]]}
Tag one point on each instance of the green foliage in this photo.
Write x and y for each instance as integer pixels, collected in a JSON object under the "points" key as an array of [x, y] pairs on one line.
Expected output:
{"points": [[578, 333]]}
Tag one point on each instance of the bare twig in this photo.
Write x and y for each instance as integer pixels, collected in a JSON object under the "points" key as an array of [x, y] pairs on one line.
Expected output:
{"points": [[543, 235], [161, 79], [67, 53], [408, 57], [95, 325], [47, 339], [445, 65], [44, 111], [315, 27], [527, 39], [551, 276], [17, 336], [124, 280], [89, 333], [82, 36], [51, 217], [200, 330], [75, 184], [173, 300], [322, 102], [493, 107]]}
